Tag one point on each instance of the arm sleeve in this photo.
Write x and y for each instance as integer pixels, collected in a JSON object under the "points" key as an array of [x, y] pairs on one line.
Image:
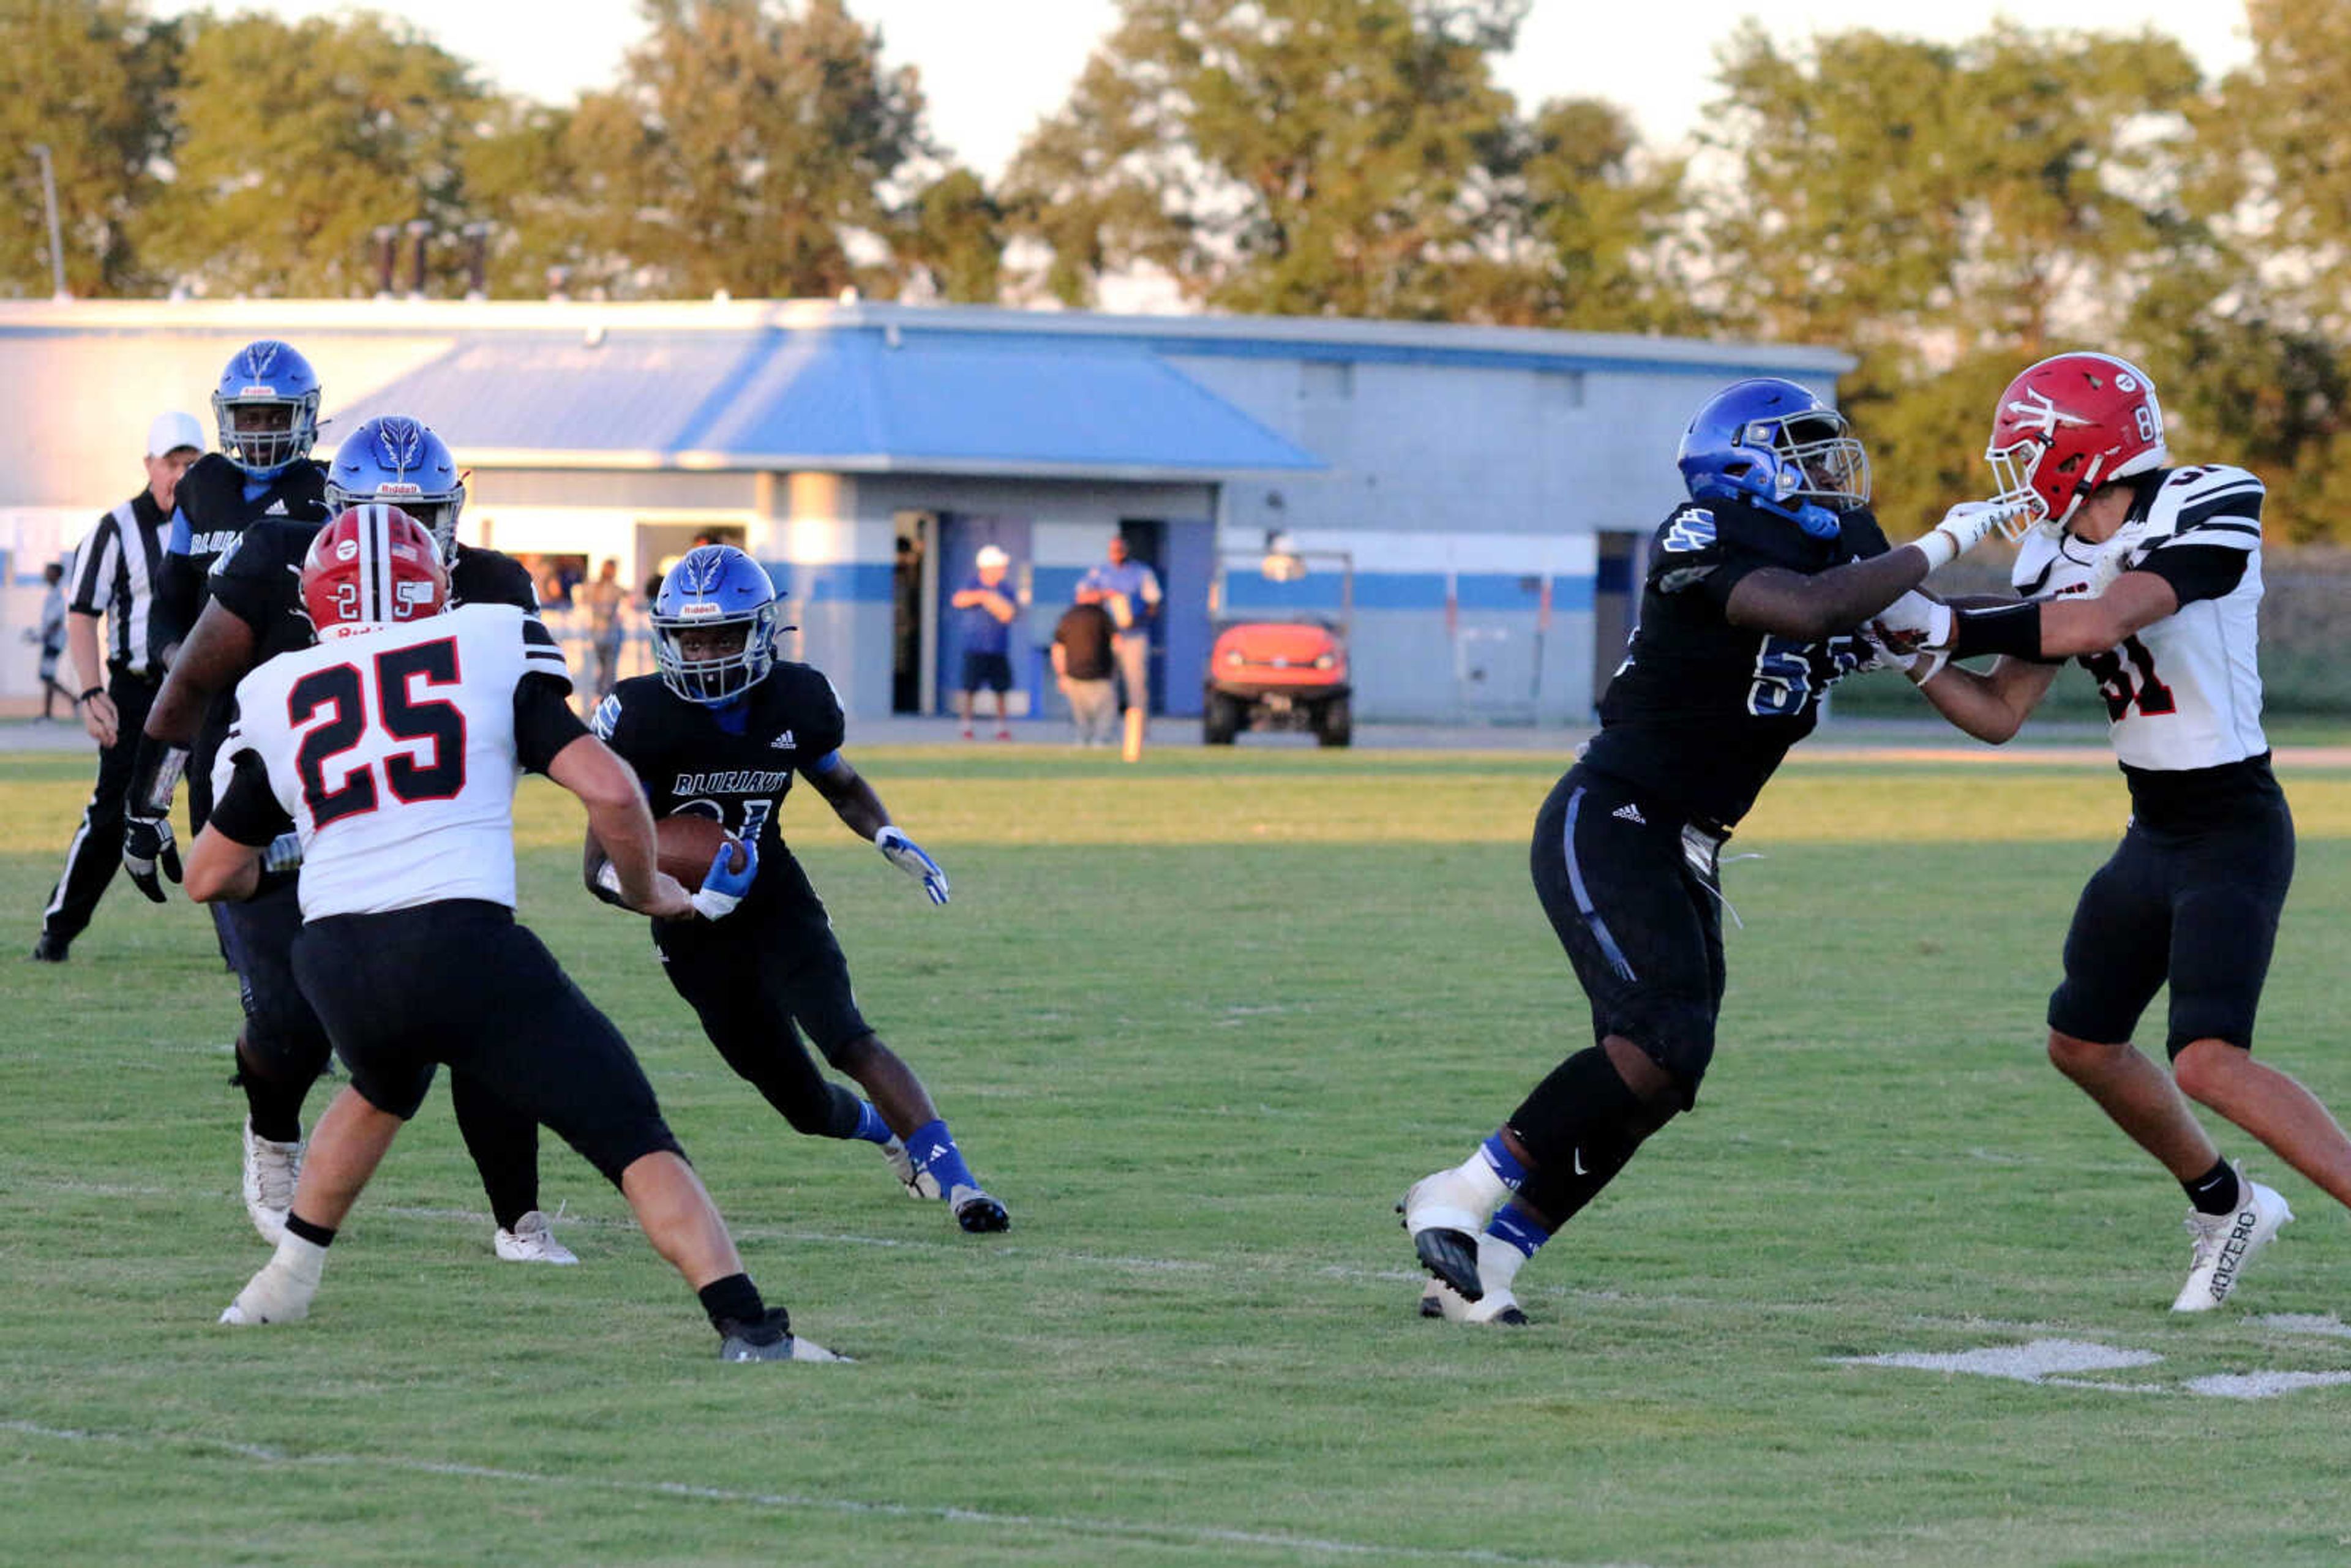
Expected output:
{"points": [[544, 723], [92, 568], [248, 813], [542, 655], [827, 728], [179, 587], [2198, 571]]}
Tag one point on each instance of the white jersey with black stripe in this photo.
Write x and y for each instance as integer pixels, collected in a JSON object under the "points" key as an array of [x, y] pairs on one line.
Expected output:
{"points": [[393, 751], [2185, 692]]}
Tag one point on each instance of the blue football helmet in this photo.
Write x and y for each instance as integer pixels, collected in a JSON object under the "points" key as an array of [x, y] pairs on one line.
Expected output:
{"points": [[712, 589], [266, 409], [399, 461], [1773, 443]]}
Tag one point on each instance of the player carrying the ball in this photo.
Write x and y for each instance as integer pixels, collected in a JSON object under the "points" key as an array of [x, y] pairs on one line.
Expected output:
{"points": [[720, 732]]}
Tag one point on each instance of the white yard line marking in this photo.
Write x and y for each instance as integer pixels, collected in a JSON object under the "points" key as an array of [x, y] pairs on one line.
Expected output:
{"points": [[1111, 1529], [2041, 1362]]}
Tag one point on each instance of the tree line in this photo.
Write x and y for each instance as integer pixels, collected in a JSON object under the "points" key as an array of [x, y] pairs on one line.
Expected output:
{"points": [[1945, 212]]}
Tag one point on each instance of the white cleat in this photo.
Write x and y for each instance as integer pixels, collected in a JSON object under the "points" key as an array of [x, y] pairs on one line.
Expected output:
{"points": [[1444, 1212], [532, 1240], [2225, 1243], [272, 1296], [270, 1171], [918, 1184], [1440, 1299]]}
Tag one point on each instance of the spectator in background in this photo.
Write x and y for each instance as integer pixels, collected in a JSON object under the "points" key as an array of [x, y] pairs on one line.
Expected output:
{"points": [[988, 609], [1084, 665], [1130, 592], [605, 599], [51, 636], [114, 572]]}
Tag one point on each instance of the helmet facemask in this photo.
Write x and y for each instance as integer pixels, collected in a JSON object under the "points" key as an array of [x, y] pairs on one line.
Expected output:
{"points": [[264, 434], [718, 677], [1814, 458]]}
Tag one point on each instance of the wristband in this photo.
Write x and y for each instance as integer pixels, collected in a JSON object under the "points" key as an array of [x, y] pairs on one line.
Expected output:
{"points": [[2012, 631], [93, 692], [1939, 547]]}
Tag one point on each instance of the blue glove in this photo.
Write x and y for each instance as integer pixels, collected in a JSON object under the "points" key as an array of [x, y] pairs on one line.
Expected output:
{"points": [[907, 856], [723, 889]]}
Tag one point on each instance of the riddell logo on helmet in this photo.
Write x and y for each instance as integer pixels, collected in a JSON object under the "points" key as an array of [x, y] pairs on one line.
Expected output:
{"points": [[258, 391], [699, 610], [396, 489]]}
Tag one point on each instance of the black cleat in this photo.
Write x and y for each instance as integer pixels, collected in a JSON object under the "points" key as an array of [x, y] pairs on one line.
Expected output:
{"points": [[49, 949], [978, 1212], [769, 1339], [1452, 1256]]}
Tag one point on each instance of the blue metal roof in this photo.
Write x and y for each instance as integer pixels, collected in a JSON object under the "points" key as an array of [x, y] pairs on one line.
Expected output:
{"points": [[877, 399]]}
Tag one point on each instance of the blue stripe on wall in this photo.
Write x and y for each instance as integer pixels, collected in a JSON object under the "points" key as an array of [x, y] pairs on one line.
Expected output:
{"points": [[855, 583]]}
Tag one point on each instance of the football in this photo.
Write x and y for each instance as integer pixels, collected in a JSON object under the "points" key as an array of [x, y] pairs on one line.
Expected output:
{"points": [[685, 844]]}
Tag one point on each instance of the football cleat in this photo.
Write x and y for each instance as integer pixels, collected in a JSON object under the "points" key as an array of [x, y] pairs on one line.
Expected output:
{"points": [[2225, 1243], [532, 1240], [1440, 1299], [48, 949], [769, 1339], [918, 1184], [271, 1169], [976, 1212], [272, 1296], [1444, 1215]]}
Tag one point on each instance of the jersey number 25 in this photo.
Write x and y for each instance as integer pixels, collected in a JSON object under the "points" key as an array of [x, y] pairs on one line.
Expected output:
{"points": [[345, 689]]}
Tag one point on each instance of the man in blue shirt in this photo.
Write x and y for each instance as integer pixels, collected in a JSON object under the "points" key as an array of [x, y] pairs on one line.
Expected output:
{"points": [[986, 608], [1130, 592]]}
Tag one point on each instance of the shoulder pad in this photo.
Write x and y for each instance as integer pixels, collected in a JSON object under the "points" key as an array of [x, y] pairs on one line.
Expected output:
{"points": [[2214, 496]]}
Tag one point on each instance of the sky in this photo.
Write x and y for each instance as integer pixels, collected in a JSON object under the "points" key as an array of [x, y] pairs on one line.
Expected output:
{"points": [[992, 68]]}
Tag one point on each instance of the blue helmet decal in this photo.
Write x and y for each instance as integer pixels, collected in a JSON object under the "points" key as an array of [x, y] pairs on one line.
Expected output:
{"points": [[400, 461], [715, 589], [265, 408], [1776, 445]]}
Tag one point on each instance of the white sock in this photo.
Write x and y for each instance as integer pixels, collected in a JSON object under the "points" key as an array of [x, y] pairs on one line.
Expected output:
{"points": [[1484, 1182], [302, 1261]]}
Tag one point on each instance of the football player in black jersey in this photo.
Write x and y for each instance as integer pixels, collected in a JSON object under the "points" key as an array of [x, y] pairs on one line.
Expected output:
{"points": [[265, 410], [255, 612], [722, 731], [1755, 585]]}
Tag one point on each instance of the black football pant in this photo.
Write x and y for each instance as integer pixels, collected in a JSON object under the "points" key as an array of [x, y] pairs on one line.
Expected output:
{"points": [[97, 846]]}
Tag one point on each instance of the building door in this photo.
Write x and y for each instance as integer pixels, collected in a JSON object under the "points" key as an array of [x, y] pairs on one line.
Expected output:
{"points": [[960, 536], [1616, 602], [1500, 625], [1146, 542], [913, 614]]}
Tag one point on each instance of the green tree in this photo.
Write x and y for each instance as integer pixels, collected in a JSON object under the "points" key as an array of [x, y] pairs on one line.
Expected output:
{"points": [[752, 147], [955, 232], [1287, 157], [1944, 211], [89, 79], [298, 140]]}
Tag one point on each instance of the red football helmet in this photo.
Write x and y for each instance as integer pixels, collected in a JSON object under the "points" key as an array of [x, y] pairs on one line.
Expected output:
{"points": [[2067, 425], [374, 565]]}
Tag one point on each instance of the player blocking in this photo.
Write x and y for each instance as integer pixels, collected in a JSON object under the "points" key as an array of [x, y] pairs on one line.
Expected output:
{"points": [[393, 751]]}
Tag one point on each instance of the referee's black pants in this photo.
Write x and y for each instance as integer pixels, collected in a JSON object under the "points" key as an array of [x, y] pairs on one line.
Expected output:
{"points": [[96, 850]]}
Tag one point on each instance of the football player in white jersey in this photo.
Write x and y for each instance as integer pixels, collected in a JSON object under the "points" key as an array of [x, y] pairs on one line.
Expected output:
{"points": [[393, 750], [2150, 576]]}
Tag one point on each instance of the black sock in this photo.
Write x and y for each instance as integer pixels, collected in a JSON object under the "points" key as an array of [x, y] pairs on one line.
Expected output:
{"points": [[316, 1235], [503, 1143], [275, 1109], [734, 1302], [2214, 1192]]}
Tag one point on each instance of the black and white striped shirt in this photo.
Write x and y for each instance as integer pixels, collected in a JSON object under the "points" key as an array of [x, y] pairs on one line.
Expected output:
{"points": [[113, 575]]}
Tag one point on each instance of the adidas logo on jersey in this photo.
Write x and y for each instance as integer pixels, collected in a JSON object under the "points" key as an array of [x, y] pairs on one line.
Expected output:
{"points": [[1629, 812], [783, 742], [276, 509]]}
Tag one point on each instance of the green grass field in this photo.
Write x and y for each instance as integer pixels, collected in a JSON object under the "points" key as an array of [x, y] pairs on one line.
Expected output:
{"points": [[1200, 1023]]}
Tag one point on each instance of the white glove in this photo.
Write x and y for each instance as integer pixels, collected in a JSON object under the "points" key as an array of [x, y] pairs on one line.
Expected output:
{"points": [[907, 856], [284, 853], [1916, 634], [1963, 527], [722, 889]]}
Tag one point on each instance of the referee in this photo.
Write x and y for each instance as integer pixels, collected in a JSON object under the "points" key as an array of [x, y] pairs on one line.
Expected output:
{"points": [[113, 574]]}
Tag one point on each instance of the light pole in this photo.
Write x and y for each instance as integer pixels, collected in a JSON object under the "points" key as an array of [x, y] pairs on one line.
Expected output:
{"points": [[57, 246]]}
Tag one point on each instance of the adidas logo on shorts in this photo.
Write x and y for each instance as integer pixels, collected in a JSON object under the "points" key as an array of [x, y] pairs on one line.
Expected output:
{"points": [[1631, 813]]}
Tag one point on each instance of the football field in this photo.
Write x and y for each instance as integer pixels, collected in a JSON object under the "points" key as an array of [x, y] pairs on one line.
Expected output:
{"points": [[1895, 1293]]}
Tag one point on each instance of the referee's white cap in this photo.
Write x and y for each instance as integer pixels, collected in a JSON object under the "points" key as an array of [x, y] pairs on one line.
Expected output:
{"points": [[992, 555], [173, 431]]}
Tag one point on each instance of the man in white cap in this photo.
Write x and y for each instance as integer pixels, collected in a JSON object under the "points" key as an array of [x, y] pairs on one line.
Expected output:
{"points": [[985, 609], [113, 574]]}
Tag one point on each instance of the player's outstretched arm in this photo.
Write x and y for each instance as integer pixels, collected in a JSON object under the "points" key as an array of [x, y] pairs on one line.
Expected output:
{"points": [[1994, 706], [854, 801], [1825, 604], [620, 824]]}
